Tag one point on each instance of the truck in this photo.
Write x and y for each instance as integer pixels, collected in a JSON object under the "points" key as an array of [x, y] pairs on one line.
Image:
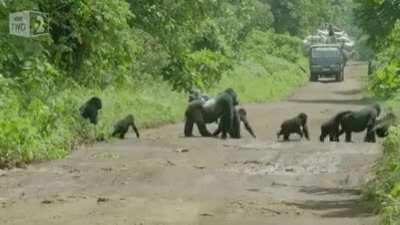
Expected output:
{"points": [[327, 60]]}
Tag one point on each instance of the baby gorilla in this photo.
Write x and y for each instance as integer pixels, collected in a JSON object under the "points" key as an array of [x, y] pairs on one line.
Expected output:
{"points": [[296, 125], [239, 116], [382, 125], [331, 127], [122, 127], [90, 109]]}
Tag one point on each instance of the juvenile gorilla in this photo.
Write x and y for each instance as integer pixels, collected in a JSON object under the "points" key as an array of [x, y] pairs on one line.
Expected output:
{"points": [[296, 125], [359, 121], [382, 125], [331, 127], [122, 127], [90, 109], [240, 116], [221, 107]]}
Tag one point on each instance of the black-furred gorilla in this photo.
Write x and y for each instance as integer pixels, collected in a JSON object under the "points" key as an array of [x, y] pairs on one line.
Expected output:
{"points": [[90, 108], [296, 125], [122, 127], [240, 116], [331, 127], [221, 107], [358, 121], [381, 128]]}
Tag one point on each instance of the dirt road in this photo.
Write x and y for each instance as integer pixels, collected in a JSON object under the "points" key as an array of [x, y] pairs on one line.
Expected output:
{"points": [[165, 179]]}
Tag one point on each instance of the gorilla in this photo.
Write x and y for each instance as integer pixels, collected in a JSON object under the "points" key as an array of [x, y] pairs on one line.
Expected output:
{"points": [[331, 127], [239, 116], [122, 127], [382, 125], [358, 121], [90, 108], [221, 107], [296, 125]]}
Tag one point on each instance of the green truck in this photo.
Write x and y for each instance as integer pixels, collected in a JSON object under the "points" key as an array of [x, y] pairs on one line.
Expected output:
{"points": [[327, 60]]}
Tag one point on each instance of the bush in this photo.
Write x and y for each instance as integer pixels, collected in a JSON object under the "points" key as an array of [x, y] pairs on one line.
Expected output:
{"points": [[384, 190], [385, 81], [256, 82]]}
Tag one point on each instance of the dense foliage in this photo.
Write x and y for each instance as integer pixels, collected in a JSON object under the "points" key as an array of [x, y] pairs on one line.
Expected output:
{"points": [[379, 21]]}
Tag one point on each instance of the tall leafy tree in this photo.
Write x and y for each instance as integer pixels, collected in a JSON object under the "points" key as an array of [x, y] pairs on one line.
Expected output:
{"points": [[377, 18]]}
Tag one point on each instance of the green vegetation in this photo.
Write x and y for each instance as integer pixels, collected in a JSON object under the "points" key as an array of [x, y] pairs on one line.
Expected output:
{"points": [[140, 57], [380, 22]]}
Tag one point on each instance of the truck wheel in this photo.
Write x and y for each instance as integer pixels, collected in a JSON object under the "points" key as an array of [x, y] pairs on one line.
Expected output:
{"points": [[342, 76], [338, 77], [313, 77]]}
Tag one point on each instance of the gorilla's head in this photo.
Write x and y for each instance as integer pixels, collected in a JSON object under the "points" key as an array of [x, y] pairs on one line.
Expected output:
{"points": [[242, 112], [194, 94], [130, 119], [303, 118], [232, 93], [377, 107], [95, 102]]}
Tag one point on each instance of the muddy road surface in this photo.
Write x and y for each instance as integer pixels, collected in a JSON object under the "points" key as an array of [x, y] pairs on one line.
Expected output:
{"points": [[165, 179]]}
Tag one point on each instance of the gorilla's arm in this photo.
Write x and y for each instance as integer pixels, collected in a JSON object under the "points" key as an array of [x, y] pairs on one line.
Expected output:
{"points": [[196, 113], [246, 123], [370, 136], [201, 124], [136, 130], [217, 131], [305, 132]]}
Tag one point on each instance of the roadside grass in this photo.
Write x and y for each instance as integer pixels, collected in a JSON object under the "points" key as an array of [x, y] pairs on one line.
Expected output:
{"points": [[383, 192], [257, 83]]}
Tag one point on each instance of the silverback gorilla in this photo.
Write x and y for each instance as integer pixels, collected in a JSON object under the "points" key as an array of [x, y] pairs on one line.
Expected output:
{"points": [[90, 108], [382, 125], [331, 127], [296, 125], [122, 127], [240, 116], [221, 107], [359, 121]]}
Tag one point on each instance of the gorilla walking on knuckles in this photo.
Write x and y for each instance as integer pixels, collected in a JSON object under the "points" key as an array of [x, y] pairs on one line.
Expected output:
{"points": [[89, 109], [200, 113], [360, 120], [239, 116], [296, 125], [122, 127]]}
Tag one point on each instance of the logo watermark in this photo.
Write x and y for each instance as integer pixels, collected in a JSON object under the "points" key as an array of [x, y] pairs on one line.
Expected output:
{"points": [[28, 23]]}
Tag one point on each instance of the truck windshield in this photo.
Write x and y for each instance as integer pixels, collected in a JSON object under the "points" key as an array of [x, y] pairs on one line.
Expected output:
{"points": [[325, 53]]}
